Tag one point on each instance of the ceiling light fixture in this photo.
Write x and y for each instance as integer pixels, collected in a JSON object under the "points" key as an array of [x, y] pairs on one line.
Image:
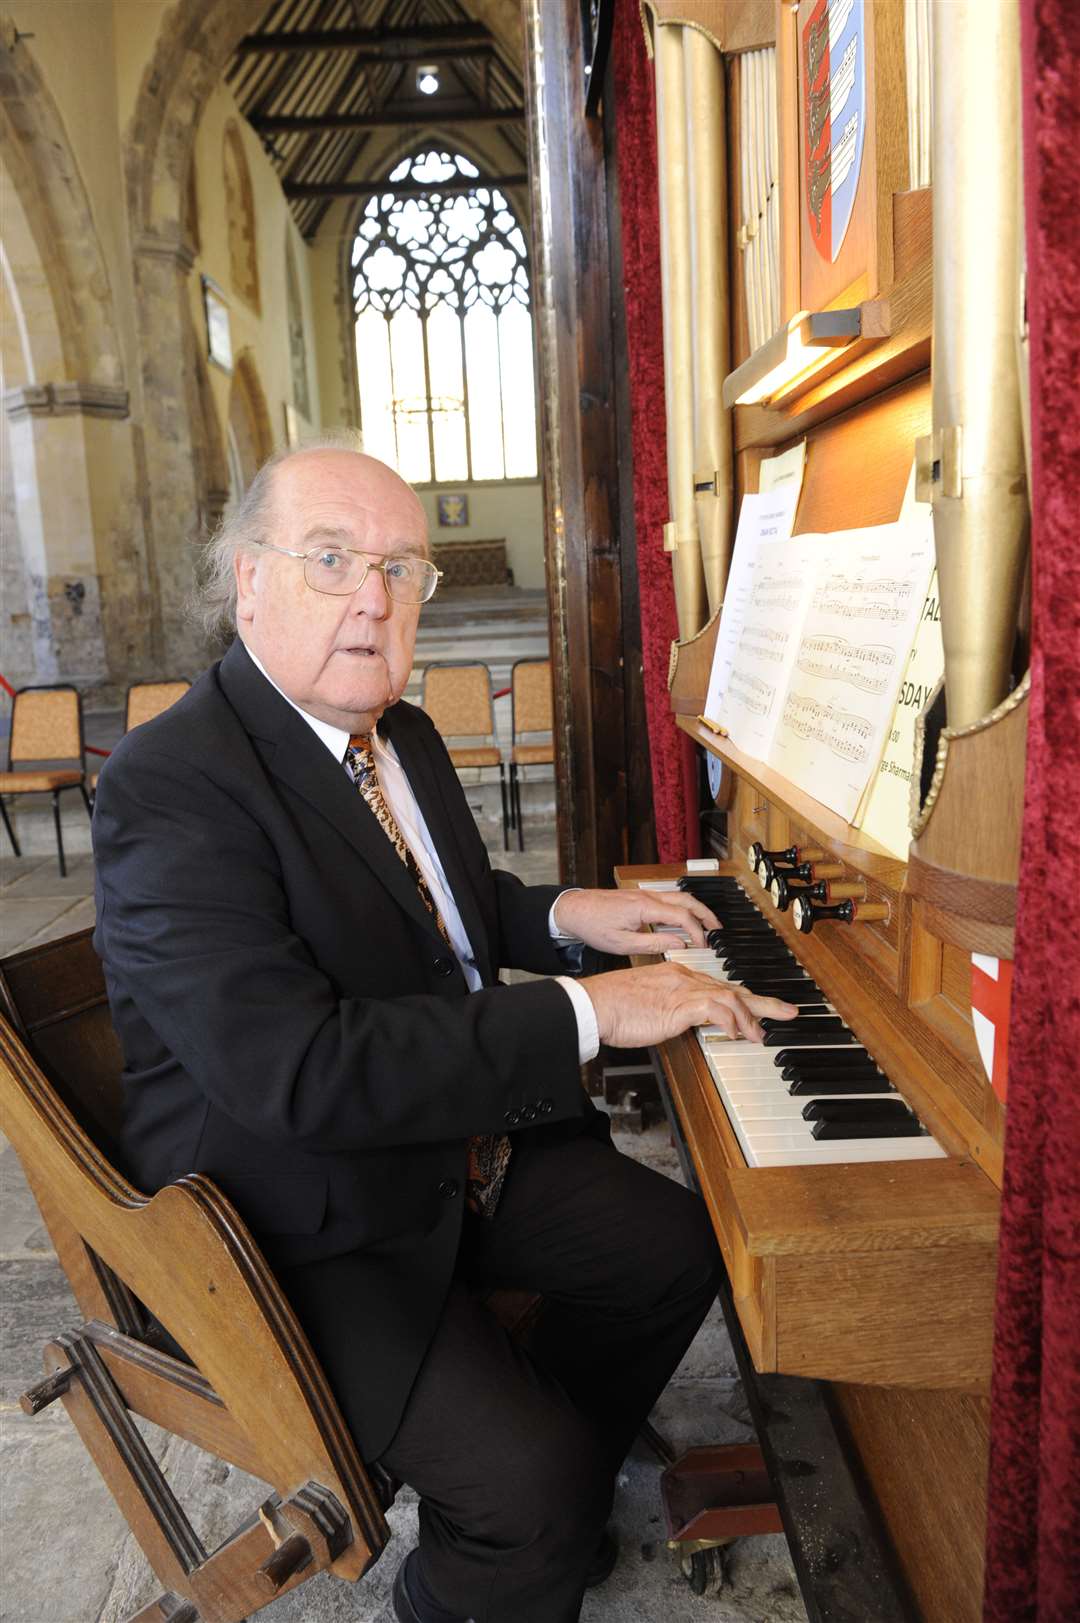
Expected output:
{"points": [[427, 78]]}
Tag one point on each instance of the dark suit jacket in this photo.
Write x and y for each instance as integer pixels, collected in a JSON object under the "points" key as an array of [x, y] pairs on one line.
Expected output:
{"points": [[293, 1024]]}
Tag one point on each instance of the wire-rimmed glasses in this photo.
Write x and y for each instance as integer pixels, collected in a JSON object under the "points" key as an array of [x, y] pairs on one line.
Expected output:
{"points": [[340, 571]]}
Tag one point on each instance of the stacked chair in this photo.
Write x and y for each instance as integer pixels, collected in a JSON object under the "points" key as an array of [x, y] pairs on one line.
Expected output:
{"points": [[144, 701], [45, 753], [459, 701], [531, 713]]}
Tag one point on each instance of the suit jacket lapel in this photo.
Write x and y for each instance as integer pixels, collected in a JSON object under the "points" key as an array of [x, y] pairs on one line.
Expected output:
{"points": [[414, 753], [292, 753]]}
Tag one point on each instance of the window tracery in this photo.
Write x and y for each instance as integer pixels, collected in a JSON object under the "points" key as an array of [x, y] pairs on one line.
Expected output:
{"points": [[443, 325]]}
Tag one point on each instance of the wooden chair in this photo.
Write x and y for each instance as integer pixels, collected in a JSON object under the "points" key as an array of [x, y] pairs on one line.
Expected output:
{"points": [[458, 700], [45, 753], [530, 713], [144, 701], [183, 1262]]}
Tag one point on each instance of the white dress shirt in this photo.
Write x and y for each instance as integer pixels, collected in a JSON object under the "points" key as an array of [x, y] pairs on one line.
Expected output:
{"points": [[398, 795]]}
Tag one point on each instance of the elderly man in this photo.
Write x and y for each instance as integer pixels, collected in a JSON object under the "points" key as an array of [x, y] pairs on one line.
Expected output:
{"points": [[302, 935]]}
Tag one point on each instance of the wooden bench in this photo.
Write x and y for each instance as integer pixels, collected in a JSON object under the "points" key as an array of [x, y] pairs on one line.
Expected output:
{"points": [[473, 563]]}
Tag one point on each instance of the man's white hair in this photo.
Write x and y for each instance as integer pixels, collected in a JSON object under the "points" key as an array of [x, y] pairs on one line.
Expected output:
{"points": [[245, 528]]}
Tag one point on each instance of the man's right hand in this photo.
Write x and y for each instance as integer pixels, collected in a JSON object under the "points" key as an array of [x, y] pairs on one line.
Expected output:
{"points": [[638, 1007]]}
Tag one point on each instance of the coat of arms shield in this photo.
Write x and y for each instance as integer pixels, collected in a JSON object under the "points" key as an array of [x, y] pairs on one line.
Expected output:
{"points": [[834, 117]]}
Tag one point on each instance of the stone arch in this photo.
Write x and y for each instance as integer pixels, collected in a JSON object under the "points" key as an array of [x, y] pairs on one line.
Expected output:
{"points": [[195, 41], [240, 212], [294, 304], [49, 578], [249, 418], [46, 178]]}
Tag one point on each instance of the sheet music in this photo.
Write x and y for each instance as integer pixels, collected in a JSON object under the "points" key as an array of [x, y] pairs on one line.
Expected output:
{"points": [[855, 642], [786, 469], [888, 810], [763, 605]]}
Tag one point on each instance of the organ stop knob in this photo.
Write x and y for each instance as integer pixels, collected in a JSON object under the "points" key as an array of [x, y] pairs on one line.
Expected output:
{"points": [[807, 873], [787, 885], [806, 915], [756, 854]]}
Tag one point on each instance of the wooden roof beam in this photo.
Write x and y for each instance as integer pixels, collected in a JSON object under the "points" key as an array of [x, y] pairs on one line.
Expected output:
{"points": [[428, 113], [297, 189], [376, 44]]}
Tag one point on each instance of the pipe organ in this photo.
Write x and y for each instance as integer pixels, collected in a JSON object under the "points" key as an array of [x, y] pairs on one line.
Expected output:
{"points": [[866, 1261]]}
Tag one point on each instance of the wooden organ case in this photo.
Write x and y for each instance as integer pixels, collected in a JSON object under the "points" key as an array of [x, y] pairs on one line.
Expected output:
{"points": [[875, 1277]]}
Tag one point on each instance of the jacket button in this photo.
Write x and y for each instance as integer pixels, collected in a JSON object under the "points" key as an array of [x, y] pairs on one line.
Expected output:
{"points": [[529, 1112], [443, 966], [512, 1118], [546, 1106], [448, 1188]]}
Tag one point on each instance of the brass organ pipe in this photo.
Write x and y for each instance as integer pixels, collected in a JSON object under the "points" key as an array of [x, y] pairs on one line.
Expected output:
{"points": [[762, 167], [749, 212], [709, 280], [681, 536], [753, 140], [772, 189], [746, 208], [979, 487]]}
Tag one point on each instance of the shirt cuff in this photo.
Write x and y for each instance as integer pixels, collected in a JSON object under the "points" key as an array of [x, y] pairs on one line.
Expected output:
{"points": [[585, 1015], [559, 936]]}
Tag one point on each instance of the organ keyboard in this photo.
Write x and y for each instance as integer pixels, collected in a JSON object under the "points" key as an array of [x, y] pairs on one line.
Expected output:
{"points": [[856, 1258], [811, 1094]]}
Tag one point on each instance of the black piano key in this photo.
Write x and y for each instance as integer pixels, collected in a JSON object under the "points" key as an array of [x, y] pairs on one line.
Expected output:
{"points": [[867, 1129], [744, 940], [772, 985], [804, 1022], [824, 1037], [822, 1076], [825, 1085], [847, 1057], [804, 1002], [856, 1110], [755, 958], [750, 925]]}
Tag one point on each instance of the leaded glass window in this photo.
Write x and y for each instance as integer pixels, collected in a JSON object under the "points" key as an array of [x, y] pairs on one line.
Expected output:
{"points": [[444, 345]]}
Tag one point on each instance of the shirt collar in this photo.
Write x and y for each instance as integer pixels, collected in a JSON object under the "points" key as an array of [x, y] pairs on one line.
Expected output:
{"points": [[335, 738]]}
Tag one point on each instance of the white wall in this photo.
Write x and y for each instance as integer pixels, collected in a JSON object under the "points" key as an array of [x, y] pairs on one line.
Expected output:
{"points": [[513, 511]]}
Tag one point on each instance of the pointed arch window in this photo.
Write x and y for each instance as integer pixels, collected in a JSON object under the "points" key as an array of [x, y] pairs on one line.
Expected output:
{"points": [[444, 343]]}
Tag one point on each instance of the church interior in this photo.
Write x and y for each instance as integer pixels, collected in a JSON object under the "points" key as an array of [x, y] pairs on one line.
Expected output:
{"points": [[727, 345]]}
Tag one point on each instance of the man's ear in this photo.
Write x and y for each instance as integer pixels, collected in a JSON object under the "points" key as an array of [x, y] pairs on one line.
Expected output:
{"points": [[245, 565]]}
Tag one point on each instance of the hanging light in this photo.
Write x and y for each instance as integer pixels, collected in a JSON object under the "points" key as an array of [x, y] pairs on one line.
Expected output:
{"points": [[427, 78]]}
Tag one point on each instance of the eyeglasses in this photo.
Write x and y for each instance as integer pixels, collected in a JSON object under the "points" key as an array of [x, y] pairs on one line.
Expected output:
{"points": [[340, 571]]}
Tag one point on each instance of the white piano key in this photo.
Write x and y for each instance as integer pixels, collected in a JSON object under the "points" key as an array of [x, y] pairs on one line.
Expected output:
{"points": [[768, 1121], [837, 1151]]}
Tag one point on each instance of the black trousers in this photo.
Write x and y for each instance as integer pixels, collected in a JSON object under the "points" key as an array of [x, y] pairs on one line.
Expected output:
{"points": [[512, 1448]]}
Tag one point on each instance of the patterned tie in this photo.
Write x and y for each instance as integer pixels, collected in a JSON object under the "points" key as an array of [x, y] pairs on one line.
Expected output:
{"points": [[489, 1153]]}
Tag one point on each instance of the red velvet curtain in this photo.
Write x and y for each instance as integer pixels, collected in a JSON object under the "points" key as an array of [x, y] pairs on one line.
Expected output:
{"points": [[1033, 1542], [673, 767]]}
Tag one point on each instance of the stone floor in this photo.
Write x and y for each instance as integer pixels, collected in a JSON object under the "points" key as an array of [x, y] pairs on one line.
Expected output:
{"points": [[65, 1554]]}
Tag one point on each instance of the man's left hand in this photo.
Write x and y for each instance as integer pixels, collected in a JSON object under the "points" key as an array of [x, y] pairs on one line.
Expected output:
{"points": [[617, 921]]}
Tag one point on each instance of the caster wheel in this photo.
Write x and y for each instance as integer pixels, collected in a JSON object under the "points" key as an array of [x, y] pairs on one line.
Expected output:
{"points": [[704, 1571]]}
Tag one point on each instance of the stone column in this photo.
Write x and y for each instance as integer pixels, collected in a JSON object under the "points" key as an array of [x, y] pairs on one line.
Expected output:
{"points": [[51, 454]]}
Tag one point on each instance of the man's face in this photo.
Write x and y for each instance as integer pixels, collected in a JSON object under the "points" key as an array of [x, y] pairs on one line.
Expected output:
{"points": [[343, 659]]}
